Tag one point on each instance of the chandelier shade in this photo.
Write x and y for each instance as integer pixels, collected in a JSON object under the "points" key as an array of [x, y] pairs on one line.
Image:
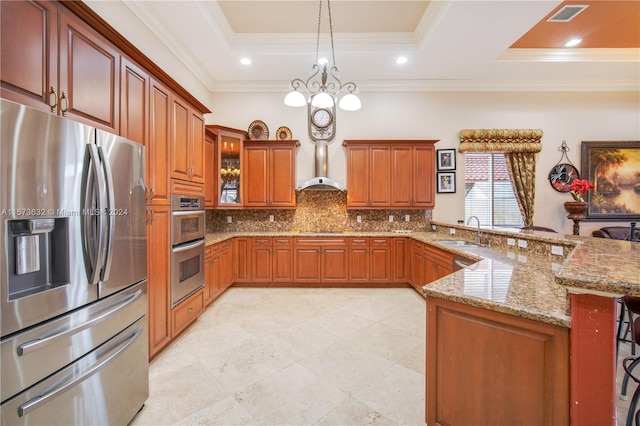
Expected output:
{"points": [[323, 93]]}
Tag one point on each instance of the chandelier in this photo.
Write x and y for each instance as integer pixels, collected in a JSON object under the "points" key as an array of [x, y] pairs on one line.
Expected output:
{"points": [[323, 93]]}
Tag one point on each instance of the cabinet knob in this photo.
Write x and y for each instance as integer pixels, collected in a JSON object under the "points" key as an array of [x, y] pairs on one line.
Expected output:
{"points": [[64, 108]]}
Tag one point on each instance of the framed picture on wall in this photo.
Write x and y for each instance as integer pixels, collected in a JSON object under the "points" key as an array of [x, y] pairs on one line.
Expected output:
{"points": [[446, 182], [446, 159], [613, 167]]}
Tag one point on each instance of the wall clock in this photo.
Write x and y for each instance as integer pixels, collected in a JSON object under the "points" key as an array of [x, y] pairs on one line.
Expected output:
{"points": [[322, 123]]}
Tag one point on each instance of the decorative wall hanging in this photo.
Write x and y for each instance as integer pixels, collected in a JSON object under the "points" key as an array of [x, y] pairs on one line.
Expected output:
{"points": [[446, 182], [258, 131], [562, 174], [446, 159]]}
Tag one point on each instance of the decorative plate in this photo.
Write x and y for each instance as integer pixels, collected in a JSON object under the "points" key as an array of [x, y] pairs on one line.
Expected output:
{"points": [[283, 133], [258, 131], [561, 176]]}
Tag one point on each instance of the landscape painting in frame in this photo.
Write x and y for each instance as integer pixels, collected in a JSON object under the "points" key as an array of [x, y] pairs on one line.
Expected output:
{"points": [[614, 169]]}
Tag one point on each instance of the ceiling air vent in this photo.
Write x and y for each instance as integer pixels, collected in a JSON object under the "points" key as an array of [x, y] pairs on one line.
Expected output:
{"points": [[567, 13]]}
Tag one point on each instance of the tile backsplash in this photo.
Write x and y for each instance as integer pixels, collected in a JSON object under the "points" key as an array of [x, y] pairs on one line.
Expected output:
{"points": [[317, 211]]}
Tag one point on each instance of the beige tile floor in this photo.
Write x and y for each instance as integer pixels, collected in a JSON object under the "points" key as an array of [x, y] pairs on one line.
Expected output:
{"points": [[276, 356]]}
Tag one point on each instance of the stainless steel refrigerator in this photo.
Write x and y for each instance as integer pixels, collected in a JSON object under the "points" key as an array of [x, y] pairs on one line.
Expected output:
{"points": [[73, 290]]}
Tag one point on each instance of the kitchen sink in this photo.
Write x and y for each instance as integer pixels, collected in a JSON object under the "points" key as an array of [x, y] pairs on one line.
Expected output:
{"points": [[458, 243]]}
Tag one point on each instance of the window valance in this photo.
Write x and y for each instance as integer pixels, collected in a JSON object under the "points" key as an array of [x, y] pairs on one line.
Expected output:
{"points": [[500, 140]]}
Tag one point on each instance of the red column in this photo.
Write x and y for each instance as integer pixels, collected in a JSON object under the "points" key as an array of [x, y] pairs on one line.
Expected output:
{"points": [[593, 360]]}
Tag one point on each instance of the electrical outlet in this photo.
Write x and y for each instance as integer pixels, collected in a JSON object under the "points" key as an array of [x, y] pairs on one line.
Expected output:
{"points": [[511, 241], [359, 219], [557, 250], [452, 231], [229, 220], [522, 243], [511, 255], [433, 228], [522, 258], [407, 218], [390, 218], [271, 218]]}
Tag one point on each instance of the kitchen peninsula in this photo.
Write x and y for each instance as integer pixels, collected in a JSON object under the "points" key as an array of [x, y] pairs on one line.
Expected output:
{"points": [[506, 320]]}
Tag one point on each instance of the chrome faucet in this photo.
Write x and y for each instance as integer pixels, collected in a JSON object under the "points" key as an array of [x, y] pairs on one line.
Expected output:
{"points": [[479, 235]]}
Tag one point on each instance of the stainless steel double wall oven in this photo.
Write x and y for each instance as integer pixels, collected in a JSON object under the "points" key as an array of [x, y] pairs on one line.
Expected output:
{"points": [[187, 246]]}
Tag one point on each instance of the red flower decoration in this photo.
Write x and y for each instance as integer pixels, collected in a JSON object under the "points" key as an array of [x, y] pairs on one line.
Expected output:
{"points": [[579, 187]]}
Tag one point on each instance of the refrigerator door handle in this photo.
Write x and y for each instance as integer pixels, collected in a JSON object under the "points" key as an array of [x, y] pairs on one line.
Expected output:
{"points": [[109, 215], [93, 236], [35, 344], [36, 402]]}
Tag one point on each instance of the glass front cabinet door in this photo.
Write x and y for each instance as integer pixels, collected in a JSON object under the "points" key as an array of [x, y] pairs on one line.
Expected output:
{"points": [[229, 188]]}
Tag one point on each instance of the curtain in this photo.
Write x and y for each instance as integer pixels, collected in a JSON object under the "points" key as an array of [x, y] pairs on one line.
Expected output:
{"points": [[519, 147]]}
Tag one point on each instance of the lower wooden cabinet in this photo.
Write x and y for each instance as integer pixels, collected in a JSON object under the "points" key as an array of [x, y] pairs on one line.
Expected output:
{"points": [[158, 277], [401, 260], [186, 312], [282, 260], [320, 260], [428, 264], [380, 251], [242, 259], [489, 368], [261, 270]]}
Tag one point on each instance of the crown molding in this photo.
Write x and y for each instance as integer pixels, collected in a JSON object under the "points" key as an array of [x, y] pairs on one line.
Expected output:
{"points": [[572, 55]]}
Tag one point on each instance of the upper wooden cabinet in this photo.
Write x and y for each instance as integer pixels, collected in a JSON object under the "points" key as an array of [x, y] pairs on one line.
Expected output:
{"points": [[54, 62], [158, 144], [390, 174], [187, 142], [226, 181], [269, 174], [210, 162]]}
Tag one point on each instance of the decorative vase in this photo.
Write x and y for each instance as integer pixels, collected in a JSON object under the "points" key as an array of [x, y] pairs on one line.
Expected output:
{"points": [[576, 209]]}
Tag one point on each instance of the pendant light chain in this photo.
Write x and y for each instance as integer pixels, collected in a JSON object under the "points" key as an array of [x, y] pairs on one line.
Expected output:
{"points": [[333, 53], [318, 36]]}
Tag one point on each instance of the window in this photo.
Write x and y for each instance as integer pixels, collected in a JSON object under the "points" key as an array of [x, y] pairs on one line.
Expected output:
{"points": [[488, 191]]}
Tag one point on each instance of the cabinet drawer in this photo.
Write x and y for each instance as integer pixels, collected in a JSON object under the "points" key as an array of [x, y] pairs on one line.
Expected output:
{"points": [[208, 252], [380, 242], [439, 255], [282, 241], [321, 241], [358, 241], [187, 312], [261, 242]]}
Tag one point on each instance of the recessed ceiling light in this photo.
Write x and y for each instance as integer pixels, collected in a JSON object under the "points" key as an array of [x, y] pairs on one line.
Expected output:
{"points": [[401, 60], [573, 42], [245, 61]]}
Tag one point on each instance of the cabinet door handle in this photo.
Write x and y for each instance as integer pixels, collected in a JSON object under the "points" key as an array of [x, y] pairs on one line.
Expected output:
{"points": [[52, 91], [63, 97]]}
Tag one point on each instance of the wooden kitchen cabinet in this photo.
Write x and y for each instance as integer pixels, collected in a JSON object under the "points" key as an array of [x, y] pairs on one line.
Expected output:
{"points": [[370, 260], [307, 265], [187, 142], [226, 264], [321, 260], [269, 174], [518, 373], [210, 276], [359, 260], [282, 260], [134, 102], [218, 271], [439, 263], [335, 263], [157, 149], [390, 173], [261, 261], [400, 258], [242, 252], [54, 62], [418, 265], [186, 312], [209, 169], [227, 183], [380, 250], [158, 277]]}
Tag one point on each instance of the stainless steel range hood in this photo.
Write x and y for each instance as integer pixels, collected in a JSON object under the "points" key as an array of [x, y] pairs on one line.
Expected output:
{"points": [[321, 182]]}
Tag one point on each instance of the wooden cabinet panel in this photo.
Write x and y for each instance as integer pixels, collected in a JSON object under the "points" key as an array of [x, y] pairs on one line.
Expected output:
{"points": [[423, 176], [282, 173], [307, 264], [358, 176], [400, 267], [439, 263], [359, 262], [158, 146], [418, 264], [335, 267], [187, 312], [196, 147], [134, 102], [29, 53], [89, 76], [261, 260], [518, 373], [158, 275], [242, 251], [209, 170], [380, 250], [210, 278], [226, 265], [180, 131], [380, 176], [402, 177], [256, 184], [228, 180], [283, 260]]}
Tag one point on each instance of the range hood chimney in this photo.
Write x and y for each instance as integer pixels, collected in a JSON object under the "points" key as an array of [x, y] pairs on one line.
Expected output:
{"points": [[321, 182]]}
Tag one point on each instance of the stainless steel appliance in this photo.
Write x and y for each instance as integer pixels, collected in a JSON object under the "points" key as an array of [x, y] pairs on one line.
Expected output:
{"points": [[73, 290], [187, 241]]}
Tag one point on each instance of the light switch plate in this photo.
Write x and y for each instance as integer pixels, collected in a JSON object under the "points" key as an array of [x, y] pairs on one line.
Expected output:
{"points": [[522, 243], [270, 218], [452, 231], [359, 219], [433, 227], [229, 220], [407, 218], [390, 218]]}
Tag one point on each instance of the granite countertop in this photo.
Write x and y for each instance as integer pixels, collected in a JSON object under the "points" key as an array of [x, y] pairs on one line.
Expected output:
{"points": [[529, 283]]}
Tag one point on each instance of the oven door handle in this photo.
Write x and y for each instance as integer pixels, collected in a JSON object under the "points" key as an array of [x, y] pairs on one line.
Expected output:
{"points": [[187, 213], [188, 246]]}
